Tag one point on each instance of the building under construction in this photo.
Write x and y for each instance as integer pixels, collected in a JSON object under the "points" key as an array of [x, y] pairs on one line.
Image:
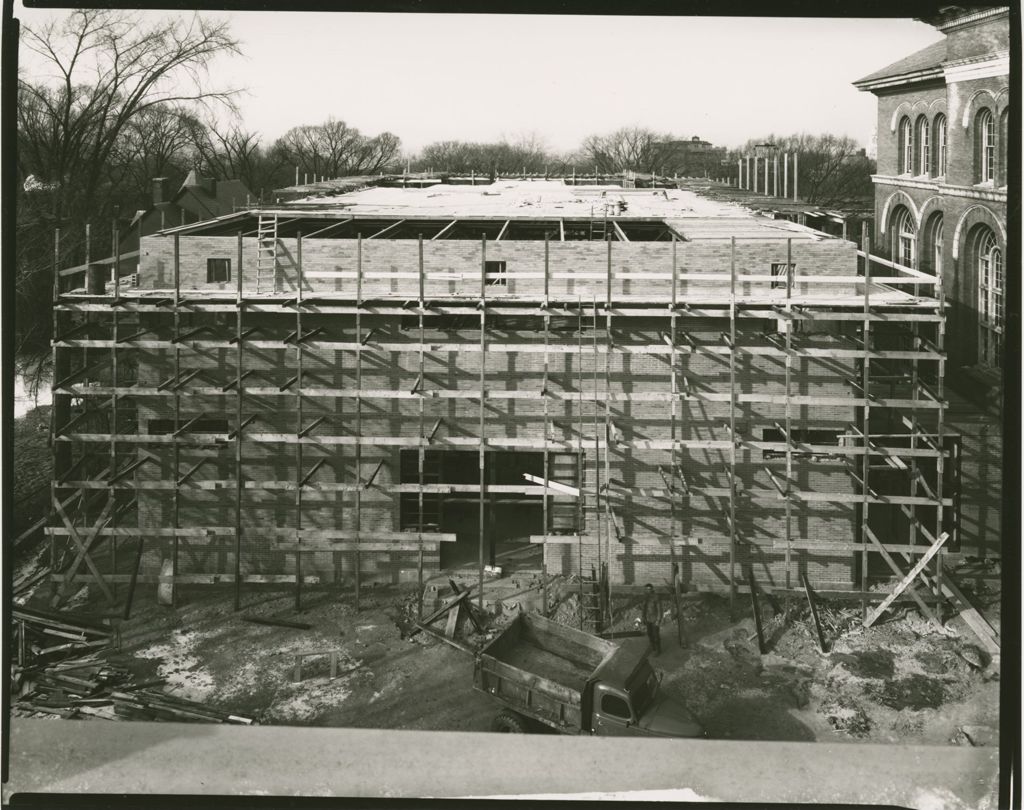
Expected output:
{"points": [[378, 385]]}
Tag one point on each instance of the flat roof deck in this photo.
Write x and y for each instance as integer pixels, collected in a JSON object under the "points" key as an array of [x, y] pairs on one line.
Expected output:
{"points": [[691, 215]]}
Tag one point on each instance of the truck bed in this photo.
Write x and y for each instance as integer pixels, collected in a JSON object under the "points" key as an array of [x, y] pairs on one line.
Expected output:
{"points": [[551, 666], [541, 668]]}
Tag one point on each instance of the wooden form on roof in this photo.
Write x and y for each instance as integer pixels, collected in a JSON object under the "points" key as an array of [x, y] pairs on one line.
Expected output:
{"points": [[679, 346]]}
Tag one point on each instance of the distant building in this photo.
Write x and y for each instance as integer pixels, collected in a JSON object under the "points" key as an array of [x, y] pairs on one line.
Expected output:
{"points": [[940, 191], [692, 158], [198, 199]]}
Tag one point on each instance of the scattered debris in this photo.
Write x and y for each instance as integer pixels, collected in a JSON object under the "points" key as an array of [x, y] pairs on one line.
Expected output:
{"points": [[278, 622], [844, 714], [911, 692]]}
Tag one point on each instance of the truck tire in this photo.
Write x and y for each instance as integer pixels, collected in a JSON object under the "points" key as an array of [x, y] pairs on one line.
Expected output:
{"points": [[509, 723]]}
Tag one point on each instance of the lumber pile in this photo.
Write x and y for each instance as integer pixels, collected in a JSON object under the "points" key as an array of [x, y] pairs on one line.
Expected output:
{"points": [[58, 672], [47, 636]]}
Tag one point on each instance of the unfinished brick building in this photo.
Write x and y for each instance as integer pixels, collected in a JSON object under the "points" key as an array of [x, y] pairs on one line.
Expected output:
{"points": [[374, 386]]}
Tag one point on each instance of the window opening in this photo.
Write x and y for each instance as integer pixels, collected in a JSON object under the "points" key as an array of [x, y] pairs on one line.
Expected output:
{"points": [[218, 270]]}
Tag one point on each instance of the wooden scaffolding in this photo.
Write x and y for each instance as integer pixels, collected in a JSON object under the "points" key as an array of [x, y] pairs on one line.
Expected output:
{"points": [[98, 449]]}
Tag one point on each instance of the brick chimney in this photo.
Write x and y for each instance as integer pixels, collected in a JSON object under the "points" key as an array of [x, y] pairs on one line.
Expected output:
{"points": [[161, 191]]}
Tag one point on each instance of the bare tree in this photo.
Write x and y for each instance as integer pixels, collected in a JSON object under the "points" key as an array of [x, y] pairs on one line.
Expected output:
{"points": [[158, 142], [101, 71], [335, 149], [834, 169], [109, 68], [629, 148], [235, 153]]}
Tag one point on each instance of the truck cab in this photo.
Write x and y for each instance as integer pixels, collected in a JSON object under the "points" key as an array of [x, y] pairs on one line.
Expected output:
{"points": [[626, 701]]}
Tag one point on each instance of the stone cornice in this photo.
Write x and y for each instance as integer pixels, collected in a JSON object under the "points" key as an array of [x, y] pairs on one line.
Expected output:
{"points": [[964, 20], [988, 66], [986, 193]]}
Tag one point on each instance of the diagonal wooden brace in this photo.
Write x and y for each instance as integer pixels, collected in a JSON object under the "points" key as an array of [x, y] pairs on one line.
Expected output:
{"points": [[927, 611], [905, 582], [83, 549]]}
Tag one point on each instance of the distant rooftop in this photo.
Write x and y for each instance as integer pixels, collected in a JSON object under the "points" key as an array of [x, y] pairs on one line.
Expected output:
{"points": [[918, 65]]}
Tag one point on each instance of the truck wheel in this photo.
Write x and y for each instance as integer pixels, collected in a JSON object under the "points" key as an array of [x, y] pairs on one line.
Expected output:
{"points": [[509, 723]]}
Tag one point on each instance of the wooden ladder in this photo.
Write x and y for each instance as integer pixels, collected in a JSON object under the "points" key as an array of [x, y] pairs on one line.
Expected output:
{"points": [[266, 253], [590, 603], [599, 227]]}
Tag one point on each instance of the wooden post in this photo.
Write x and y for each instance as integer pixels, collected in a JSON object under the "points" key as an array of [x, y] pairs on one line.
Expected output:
{"points": [[866, 418], [298, 421], [814, 613], [732, 424], [755, 174], [421, 451], [785, 175], [796, 175], [239, 362], [359, 415], [789, 406], [482, 441], [761, 646], [547, 428]]}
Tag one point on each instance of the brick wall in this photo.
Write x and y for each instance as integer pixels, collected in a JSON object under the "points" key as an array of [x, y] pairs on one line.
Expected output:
{"points": [[645, 522], [576, 269]]}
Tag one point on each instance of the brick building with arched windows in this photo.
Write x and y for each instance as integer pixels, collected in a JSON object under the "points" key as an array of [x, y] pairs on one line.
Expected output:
{"points": [[940, 191], [940, 207]]}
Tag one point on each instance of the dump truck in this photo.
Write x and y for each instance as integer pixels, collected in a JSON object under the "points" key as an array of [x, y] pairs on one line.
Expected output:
{"points": [[573, 682]]}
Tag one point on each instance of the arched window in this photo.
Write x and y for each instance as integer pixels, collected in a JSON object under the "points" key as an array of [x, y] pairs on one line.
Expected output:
{"points": [[984, 147], [939, 148], [988, 259], [905, 158], [904, 237], [921, 153], [932, 249], [1004, 136]]}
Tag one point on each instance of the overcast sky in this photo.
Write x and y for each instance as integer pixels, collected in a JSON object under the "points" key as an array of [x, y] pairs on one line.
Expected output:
{"points": [[429, 77]]}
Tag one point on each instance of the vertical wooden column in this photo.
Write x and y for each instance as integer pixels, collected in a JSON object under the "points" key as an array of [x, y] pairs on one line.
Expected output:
{"points": [[547, 458], [790, 270], [775, 175], [239, 483], [676, 528], [112, 495], [755, 175], [580, 445], [866, 420], [785, 175], [61, 410], [547, 428], [482, 441], [597, 441], [359, 413], [420, 455], [796, 175], [940, 438], [732, 424], [298, 421], [176, 447]]}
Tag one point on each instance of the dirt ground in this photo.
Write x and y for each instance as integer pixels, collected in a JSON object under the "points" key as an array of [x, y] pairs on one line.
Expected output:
{"points": [[902, 681]]}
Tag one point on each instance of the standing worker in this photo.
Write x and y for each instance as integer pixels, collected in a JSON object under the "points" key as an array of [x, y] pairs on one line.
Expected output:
{"points": [[652, 617]]}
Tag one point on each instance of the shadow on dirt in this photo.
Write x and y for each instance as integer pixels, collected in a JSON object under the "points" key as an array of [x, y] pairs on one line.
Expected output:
{"points": [[754, 718]]}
